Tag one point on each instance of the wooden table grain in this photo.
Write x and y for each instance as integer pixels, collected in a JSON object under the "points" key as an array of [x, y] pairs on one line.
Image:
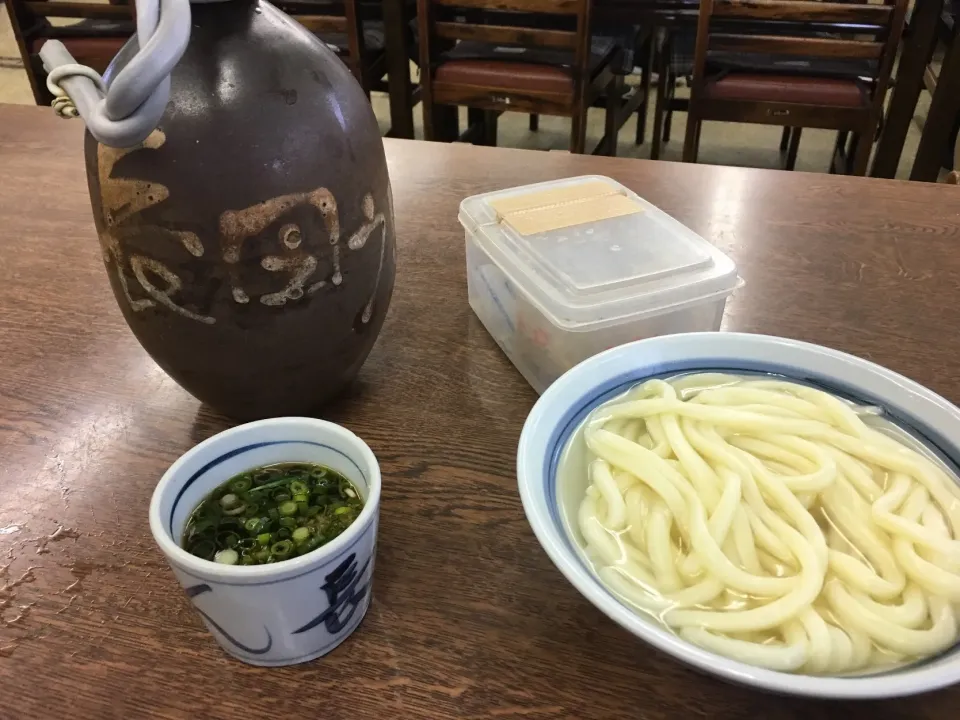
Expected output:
{"points": [[469, 618]]}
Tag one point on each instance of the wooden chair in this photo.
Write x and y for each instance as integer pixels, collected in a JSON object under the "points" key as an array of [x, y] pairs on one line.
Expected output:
{"points": [[94, 41], [489, 56], [643, 41], [943, 117], [834, 80], [338, 25], [675, 43], [355, 30], [953, 177]]}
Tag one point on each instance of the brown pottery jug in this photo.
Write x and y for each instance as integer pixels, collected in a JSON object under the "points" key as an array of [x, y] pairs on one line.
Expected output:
{"points": [[240, 193]]}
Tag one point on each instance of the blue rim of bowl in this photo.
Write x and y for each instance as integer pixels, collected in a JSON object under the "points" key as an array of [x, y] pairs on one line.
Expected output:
{"points": [[571, 420]]}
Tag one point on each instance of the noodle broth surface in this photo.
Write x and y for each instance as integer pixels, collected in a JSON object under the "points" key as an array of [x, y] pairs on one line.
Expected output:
{"points": [[836, 535]]}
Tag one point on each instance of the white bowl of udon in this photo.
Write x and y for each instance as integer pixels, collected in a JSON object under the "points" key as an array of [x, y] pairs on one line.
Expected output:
{"points": [[775, 513]]}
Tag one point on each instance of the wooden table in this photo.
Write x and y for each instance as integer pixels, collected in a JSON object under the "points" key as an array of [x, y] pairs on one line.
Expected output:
{"points": [[469, 618]]}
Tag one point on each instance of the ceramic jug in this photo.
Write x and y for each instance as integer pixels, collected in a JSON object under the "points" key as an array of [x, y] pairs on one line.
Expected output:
{"points": [[240, 193]]}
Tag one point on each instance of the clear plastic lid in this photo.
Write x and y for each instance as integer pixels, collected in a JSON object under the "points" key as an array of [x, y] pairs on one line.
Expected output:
{"points": [[601, 271]]}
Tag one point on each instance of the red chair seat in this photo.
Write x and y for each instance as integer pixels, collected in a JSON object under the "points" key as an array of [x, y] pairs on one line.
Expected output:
{"points": [[834, 92]]}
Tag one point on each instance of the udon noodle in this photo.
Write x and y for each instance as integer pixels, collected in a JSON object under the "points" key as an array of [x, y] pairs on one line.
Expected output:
{"points": [[766, 521]]}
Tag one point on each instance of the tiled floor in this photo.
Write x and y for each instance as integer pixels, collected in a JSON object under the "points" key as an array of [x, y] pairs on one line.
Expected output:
{"points": [[721, 144]]}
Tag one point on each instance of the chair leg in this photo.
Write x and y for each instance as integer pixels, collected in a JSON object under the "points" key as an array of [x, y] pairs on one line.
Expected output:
{"points": [[837, 151], [647, 69], [861, 152], [443, 123], [490, 128], [794, 147], [475, 125], [614, 101], [784, 139], [534, 122], [691, 144], [485, 124], [658, 114], [671, 94], [578, 130], [842, 141], [850, 152], [429, 111]]}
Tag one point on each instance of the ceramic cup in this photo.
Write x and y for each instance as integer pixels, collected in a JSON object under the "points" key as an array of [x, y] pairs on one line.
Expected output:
{"points": [[286, 612]]}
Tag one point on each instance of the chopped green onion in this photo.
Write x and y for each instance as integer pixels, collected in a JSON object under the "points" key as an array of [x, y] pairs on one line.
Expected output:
{"points": [[301, 534], [226, 557], [241, 484], [229, 500], [252, 525], [202, 526], [276, 483], [203, 548], [310, 545], [299, 488], [281, 550], [228, 539], [271, 513]]}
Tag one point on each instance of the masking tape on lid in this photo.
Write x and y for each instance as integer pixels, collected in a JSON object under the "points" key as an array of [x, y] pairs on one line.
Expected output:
{"points": [[563, 207]]}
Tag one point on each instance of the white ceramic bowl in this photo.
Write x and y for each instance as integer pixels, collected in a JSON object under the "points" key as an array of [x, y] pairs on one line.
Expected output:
{"points": [[286, 612], [566, 403]]}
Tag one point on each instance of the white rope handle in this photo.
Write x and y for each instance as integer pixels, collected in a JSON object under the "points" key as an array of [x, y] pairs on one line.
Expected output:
{"points": [[62, 103], [124, 109]]}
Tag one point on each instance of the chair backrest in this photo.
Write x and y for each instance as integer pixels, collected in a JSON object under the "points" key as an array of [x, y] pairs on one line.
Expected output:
{"points": [[846, 30], [547, 24], [333, 17], [33, 16], [92, 43], [118, 10]]}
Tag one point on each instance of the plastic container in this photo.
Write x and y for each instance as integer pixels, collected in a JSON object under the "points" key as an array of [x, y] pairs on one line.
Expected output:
{"points": [[551, 299]]}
